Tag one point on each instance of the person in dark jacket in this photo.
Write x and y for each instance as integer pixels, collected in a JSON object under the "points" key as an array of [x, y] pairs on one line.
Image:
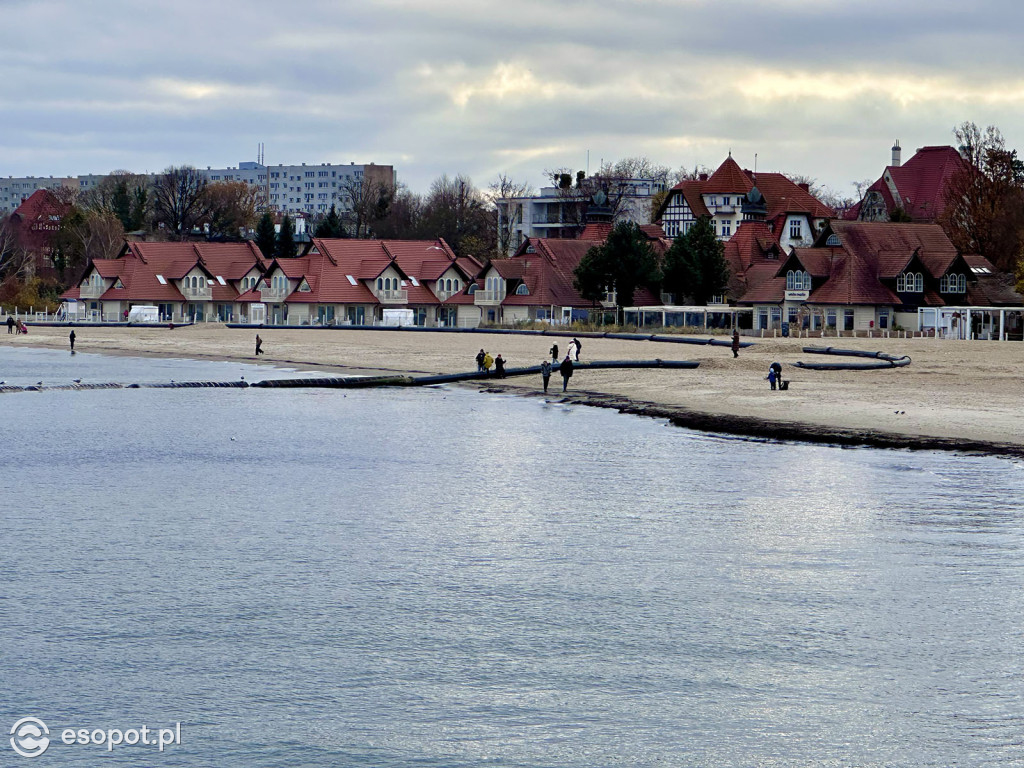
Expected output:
{"points": [[735, 343], [566, 370], [545, 373], [10, 324], [554, 353], [259, 346], [480, 360], [578, 345], [499, 367], [71, 338]]}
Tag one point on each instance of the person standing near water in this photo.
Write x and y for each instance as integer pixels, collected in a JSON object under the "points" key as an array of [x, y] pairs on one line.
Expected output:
{"points": [[545, 374], [566, 370], [480, 361], [259, 346], [499, 367], [71, 338], [10, 324]]}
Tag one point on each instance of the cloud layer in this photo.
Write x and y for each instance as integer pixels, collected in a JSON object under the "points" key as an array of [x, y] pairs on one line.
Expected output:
{"points": [[813, 88]]}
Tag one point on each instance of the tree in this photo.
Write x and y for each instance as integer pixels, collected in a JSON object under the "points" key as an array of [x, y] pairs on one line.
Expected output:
{"points": [[369, 198], [266, 235], [457, 211], [505, 193], [284, 243], [15, 261], [86, 234], [404, 220], [179, 201], [330, 226], [695, 264], [230, 209], [984, 211], [623, 263]]}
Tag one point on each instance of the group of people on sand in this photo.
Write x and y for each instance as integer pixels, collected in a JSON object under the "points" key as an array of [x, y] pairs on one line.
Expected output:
{"points": [[484, 361], [16, 325]]}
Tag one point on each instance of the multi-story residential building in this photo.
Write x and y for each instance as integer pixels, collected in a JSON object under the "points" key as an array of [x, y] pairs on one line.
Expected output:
{"points": [[15, 191], [561, 213], [793, 214]]}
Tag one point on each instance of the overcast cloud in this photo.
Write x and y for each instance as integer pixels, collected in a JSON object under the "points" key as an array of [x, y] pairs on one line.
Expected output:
{"points": [[476, 87]]}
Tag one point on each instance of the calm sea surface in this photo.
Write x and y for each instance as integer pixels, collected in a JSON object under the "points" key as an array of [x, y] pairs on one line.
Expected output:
{"points": [[442, 577]]}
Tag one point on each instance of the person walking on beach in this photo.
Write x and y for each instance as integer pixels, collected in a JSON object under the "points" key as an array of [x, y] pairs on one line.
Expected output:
{"points": [[480, 361], [499, 367], [566, 370], [488, 362], [545, 374], [71, 338], [10, 324], [578, 347], [772, 377], [554, 353], [735, 343], [259, 346]]}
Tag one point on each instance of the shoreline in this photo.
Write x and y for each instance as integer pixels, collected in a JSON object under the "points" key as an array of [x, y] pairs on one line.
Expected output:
{"points": [[955, 395]]}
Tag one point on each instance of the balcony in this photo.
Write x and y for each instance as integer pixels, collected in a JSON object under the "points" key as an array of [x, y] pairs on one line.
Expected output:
{"points": [[392, 296], [489, 298], [198, 294]]}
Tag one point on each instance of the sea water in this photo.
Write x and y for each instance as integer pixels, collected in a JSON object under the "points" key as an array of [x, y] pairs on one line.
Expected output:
{"points": [[444, 577]]}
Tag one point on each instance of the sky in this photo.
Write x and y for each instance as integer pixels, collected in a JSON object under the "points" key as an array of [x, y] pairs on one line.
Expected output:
{"points": [[814, 88]]}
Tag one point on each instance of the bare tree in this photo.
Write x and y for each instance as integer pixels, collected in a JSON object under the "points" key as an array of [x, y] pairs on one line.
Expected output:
{"points": [[457, 211], [506, 196], [369, 198], [179, 203], [404, 220], [84, 235], [15, 260], [984, 211]]}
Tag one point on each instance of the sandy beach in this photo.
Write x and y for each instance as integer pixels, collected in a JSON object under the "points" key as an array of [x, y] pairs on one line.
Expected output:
{"points": [[955, 394]]}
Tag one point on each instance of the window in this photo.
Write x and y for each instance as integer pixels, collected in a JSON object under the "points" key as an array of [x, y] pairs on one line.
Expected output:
{"points": [[795, 229], [833, 241], [726, 228], [910, 282], [522, 290], [953, 284], [798, 280], [671, 229]]}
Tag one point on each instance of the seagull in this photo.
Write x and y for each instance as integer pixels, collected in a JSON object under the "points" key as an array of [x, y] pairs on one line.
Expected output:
{"points": [[39, 383], [77, 381], [232, 439]]}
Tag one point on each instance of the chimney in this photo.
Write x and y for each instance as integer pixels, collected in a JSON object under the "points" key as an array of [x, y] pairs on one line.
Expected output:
{"points": [[896, 154], [805, 186], [702, 177]]}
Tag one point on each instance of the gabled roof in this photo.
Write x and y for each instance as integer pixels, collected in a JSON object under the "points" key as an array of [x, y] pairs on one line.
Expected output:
{"points": [[728, 179], [890, 245], [920, 183], [781, 195]]}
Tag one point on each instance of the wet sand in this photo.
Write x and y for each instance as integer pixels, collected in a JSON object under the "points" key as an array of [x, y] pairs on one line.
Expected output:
{"points": [[955, 394]]}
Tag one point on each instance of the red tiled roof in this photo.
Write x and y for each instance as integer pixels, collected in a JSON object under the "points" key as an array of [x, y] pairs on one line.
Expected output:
{"points": [[729, 179]]}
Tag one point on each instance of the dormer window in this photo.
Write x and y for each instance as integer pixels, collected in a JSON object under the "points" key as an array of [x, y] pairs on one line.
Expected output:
{"points": [[910, 282], [953, 284], [833, 241], [522, 290], [798, 280], [795, 229]]}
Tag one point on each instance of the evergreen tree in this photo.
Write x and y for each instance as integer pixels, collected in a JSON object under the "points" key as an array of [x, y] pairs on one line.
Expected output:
{"points": [[695, 265], [331, 226], [284, 245], [266, 237], [623, 263]]}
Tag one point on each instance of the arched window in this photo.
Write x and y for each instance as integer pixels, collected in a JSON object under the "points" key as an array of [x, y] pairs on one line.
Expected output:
{"points": [[918, 283], [455, 284], [472, 289], [798, 280], [202, 282], [380, 284], [522, 290]]}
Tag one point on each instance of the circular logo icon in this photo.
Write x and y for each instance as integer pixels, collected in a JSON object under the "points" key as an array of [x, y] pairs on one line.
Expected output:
{"points": [[30, 737]]}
